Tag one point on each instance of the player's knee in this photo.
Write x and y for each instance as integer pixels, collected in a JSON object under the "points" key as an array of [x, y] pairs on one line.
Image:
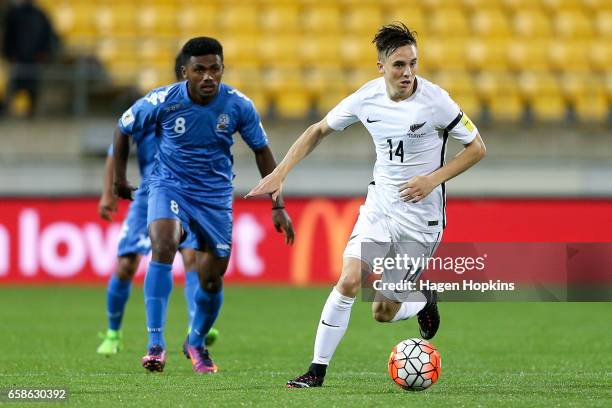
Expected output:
{"points": [[211, 284], [381, 313], [348, 285], [126, 267], [163, 250]]}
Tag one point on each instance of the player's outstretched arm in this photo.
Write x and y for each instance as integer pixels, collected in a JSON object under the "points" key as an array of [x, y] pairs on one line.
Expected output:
{"points": [[419, 187], [121, 150], [273, 182], [108, 202], [281, 220]]}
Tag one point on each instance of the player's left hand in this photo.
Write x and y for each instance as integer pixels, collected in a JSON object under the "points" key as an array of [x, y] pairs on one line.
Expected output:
{"points": [[282, 222], [417, 188]]}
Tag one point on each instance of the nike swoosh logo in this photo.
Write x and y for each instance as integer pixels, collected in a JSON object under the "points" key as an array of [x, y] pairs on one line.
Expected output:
{"points": [[327, 324], [372, 121], [417, 126]]}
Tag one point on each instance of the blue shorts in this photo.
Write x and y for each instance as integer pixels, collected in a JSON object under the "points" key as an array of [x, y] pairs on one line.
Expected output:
{"points": [[208, 219], [134, 235]]}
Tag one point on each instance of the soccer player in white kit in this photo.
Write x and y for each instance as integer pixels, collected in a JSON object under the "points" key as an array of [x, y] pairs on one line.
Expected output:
{"points": [[410, 120]]}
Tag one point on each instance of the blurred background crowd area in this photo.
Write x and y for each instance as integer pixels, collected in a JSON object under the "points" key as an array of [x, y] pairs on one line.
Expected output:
{"points": [[535, 75]]}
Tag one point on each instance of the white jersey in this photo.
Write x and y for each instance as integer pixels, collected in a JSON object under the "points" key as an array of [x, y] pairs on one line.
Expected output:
{"points": [[410, 140]]}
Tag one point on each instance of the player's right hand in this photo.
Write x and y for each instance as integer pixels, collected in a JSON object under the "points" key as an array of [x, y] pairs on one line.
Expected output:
{"points": [[123, 189], [106, 207], [271, 184]]}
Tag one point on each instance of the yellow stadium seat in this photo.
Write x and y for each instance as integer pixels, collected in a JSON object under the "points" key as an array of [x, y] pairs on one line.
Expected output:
{"points": [[322, 18], [239, 18], [159, 22], [277, 79], [413, 17], [532, 24], [460, 86], [241, 50], [487, 53], [357, 52], [554, 5], [246, 79], [476, 5], [364, 20], [570, 56], [490, 22], [320, 49], [120, 20], [598, 5], [514, 5], [600, 55], [603, 24], [279, 50], [528, 55], [500, 93], [292, 103], [198, 19], [355, 79], [280, 18], [444, 53], [573, 24], [322, 79], [592, 104], [543, 93], [73, 20], [449, 22]]}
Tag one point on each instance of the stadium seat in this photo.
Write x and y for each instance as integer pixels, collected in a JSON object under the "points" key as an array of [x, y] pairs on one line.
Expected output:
{"points": [[543, 94], [321, 18], [532, 24], [515, 5], [357, 52], [280, 18], [592, 104], [444, 53], [449, 22], [74, 21], [242, 18], [528, 55], [279, 50], [574, 24], [159, 22], [355, 79], [412, 16], [292, 103], [567, 5], [600, 55], [197, 19], [569, 56], [364, 20], [603, 24], [319, 80], [460, 86], [476, 5], [487, 53], [500, 93], [278, 79], [490, 22], [320, 49], [241, 49]]}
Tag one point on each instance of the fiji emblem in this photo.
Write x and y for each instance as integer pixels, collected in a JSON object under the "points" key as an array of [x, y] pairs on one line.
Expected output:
{"points": [[223, 121]]}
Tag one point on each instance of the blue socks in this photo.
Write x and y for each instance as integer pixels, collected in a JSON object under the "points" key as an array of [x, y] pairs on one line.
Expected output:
{"points": [[192, 283], [157, 288], [117, 294], [207, 309]]}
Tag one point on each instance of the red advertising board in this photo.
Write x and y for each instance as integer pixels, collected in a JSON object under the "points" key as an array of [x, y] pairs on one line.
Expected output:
{"points": [[63, 240]]}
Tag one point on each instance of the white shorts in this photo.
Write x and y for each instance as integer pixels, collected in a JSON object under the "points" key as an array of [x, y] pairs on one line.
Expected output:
{"points": [[378, 234]]}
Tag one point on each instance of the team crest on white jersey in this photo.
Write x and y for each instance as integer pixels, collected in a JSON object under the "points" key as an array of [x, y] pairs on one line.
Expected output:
{"points": [[223, 121]]}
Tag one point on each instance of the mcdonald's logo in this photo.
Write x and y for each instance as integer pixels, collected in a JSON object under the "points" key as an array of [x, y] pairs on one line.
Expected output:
{"points": [[338, 224]]}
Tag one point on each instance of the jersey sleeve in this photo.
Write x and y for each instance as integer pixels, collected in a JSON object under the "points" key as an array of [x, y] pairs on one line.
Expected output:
{"points": [[250, 128], [344, 114], [450, 117], [143, 113]]}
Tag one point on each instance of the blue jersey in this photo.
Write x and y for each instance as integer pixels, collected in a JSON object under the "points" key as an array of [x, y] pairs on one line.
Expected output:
{"points": [[195, 140], [146, 148]]}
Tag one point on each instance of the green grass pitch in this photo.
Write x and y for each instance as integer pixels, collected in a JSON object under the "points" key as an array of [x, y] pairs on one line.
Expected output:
{"points": [[493, 354]]}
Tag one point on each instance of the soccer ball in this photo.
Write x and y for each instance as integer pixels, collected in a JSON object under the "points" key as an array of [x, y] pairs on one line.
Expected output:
{"points": [[414, 364]]}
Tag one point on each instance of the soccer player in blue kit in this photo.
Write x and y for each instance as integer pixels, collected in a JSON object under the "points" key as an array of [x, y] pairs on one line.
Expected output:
{"points": [[134, 239], [190, 188]]}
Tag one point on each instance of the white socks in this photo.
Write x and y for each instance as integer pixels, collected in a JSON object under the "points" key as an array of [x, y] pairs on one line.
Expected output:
{"points": [[414, 304], [332, 326]]}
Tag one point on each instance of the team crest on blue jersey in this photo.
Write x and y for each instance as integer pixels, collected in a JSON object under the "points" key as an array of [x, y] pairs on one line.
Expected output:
{"points": [[223, 121]]}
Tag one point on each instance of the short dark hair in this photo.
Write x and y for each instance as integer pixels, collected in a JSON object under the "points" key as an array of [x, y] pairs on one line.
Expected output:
{"points": [[393, 36], [201, 46], [179, 61]]}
